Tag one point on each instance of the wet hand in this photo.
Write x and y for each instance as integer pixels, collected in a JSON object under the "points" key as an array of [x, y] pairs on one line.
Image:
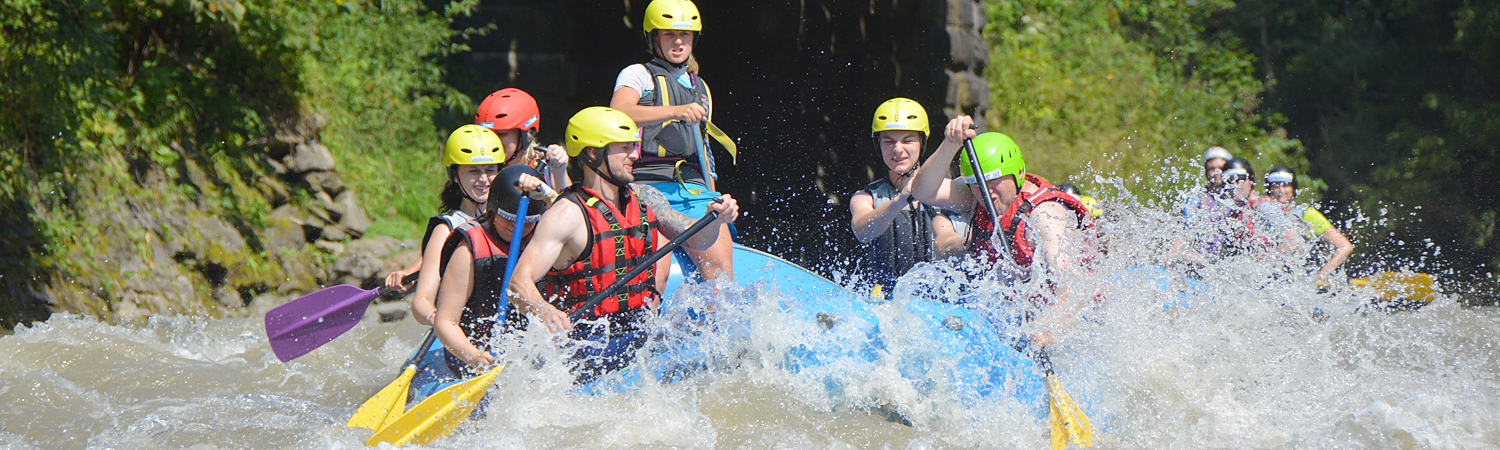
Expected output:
{"points": [[530, 184], [959, 129], [556, 320], [393, 281], [727, 208], [690, 113], [557, 157]]}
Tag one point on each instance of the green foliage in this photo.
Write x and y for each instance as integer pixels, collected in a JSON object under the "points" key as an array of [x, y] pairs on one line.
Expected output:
{"points": [[108, 101], [380, 95], [1121, 88]]}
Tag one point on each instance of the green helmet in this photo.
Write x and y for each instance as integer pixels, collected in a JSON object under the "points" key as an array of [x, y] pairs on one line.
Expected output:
{"points": [[998, 156], [598, 126], [900, 114], [672, 15]]}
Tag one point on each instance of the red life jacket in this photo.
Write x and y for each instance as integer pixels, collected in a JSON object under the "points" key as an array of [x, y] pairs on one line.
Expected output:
{"points": [[482, 311], [1013, 225], [618, 241]]}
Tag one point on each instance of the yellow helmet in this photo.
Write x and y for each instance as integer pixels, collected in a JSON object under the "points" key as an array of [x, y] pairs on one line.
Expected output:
{"points": [[672, 15], [900, 114], [473, 144], [598, 126]]}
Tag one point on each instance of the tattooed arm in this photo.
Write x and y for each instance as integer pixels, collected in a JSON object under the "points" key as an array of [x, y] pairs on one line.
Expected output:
{"points": [[672, 222]]}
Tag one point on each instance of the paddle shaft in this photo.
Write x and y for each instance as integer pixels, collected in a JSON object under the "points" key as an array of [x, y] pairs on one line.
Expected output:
{"points": [[622, 280], [511, 257], [984, 191]]}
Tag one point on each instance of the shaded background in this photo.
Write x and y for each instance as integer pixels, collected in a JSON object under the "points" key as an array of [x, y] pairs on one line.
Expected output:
{"points": [[795, 83]]}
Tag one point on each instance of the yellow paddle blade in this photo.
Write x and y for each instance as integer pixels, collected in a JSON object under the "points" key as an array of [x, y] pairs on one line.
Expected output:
{"points": [[1068, 421], [724, 140], [386, 405], [438, 415], [1409, 286]]}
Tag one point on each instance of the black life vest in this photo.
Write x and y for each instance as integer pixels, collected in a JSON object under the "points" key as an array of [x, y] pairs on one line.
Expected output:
{"points": [[618, 241], [906, 242], [670, 146], [452, 219], [482, 310]]}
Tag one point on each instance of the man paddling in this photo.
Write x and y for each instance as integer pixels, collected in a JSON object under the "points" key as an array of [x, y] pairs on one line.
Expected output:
{"points": [[597, 230], [474, 257], [1041, 226]]}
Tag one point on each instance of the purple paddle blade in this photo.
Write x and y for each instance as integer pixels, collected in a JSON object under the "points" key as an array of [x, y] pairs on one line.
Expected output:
{"points": [[304, 324]]}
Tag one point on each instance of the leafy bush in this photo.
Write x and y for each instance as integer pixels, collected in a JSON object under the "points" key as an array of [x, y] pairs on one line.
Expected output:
{"points": [[1124, 88]]}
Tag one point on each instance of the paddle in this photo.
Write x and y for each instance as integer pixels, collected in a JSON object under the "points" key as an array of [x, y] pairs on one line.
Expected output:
{"points": [[1007, 268], [438, 415], [1068, 421], [389, 403], [304, 324], [513, 255], [1402, 290], [622, 280], [423, 425]]}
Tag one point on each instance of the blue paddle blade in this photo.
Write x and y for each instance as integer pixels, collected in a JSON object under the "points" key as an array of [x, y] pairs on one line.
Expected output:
{"points": [[304, 324]]}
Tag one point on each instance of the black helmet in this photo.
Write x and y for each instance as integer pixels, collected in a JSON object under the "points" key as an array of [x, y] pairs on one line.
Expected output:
{"points": [[1281, 174], [1234, 165], [505, 197], [1069, 188]]}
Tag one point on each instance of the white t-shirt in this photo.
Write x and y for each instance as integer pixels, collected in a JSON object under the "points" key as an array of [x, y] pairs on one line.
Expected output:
{"points": [[637, 77]]}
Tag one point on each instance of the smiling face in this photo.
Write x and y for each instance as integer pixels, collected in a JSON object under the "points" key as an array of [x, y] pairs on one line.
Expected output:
{"points": [[675, 45], [619, 160], [900, 150], [475, 179]]}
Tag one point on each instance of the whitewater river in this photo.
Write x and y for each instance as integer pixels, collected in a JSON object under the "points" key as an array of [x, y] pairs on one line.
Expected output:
{"points": [[1249, 361]]}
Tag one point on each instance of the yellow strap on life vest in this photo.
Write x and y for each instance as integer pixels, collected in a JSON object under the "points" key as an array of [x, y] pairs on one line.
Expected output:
{"points": [[716, 133], [725, 141], [666, 99], [677, 173]]}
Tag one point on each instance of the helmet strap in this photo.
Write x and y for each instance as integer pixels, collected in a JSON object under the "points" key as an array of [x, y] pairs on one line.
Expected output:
{"points": [[453, 175], [600, 166]]}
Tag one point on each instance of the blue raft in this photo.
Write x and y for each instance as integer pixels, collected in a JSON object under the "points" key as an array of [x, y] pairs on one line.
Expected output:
{"points": [[952, 349]]}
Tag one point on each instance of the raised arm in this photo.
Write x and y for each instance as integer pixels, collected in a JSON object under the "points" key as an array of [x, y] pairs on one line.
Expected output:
{"points": [[931, 184]]}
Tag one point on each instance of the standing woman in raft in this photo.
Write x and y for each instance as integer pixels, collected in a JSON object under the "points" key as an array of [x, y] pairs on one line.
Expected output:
{"points": [[672, 105]]}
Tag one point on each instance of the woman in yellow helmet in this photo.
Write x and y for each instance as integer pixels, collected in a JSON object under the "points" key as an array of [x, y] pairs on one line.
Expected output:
{"points": [[473, 155], [901, 231], [673, 105]]}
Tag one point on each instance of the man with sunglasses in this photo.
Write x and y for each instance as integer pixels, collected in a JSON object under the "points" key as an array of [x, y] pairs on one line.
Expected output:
{"points": [[599, 228]]}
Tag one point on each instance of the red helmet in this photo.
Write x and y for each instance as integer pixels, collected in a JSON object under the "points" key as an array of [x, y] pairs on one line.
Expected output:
{"points": [[508, 109]]}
